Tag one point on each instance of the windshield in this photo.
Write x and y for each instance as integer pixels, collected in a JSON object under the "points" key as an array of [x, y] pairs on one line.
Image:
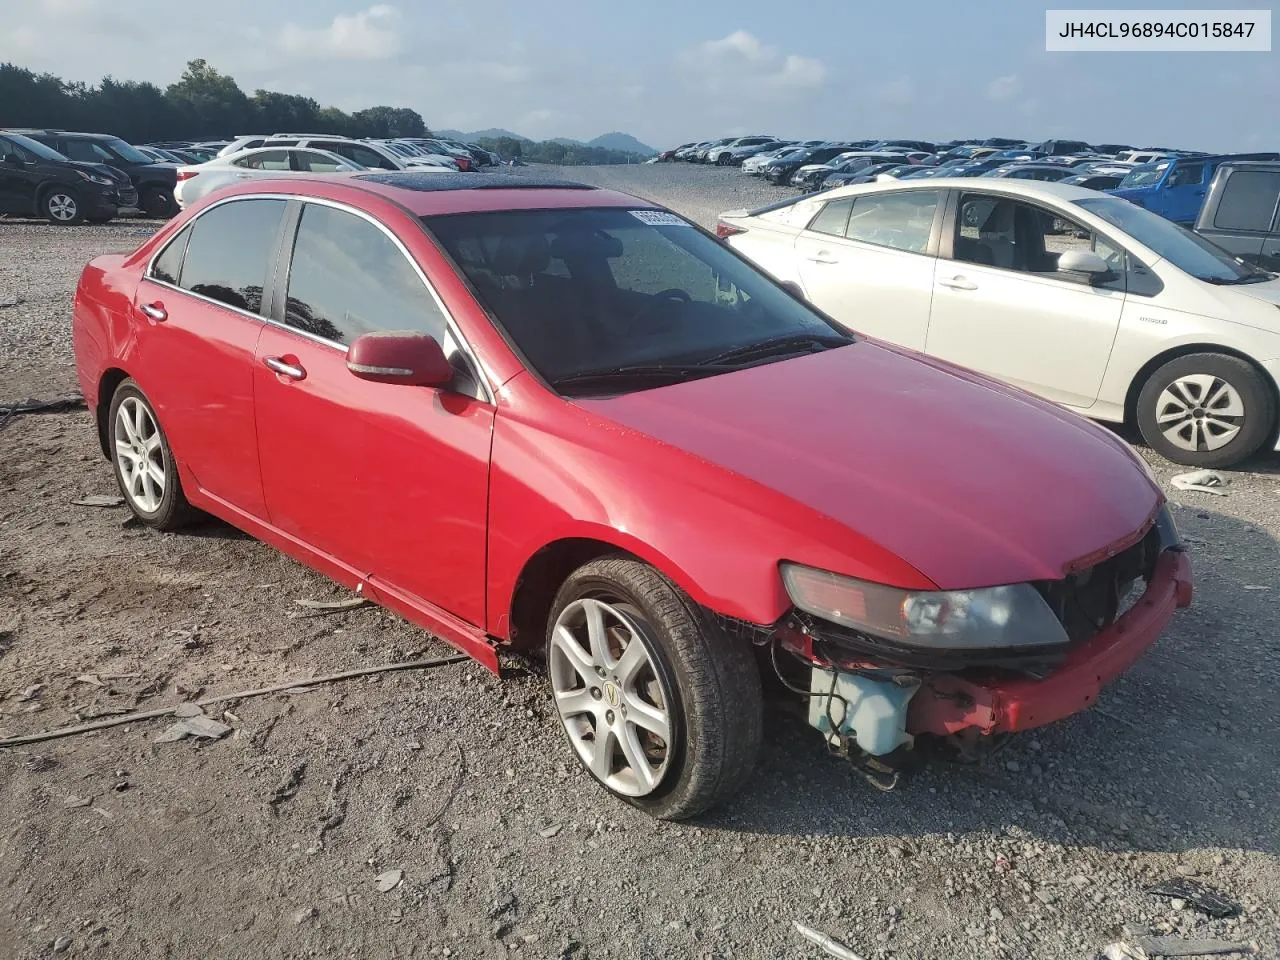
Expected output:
{"points": [[35, 146], [1185, 250], [585, 290], [125, 151], [1145, 176]]}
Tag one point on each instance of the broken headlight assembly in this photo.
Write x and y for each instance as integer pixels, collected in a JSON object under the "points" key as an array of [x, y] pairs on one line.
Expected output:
{"points": [[1003, 617]]}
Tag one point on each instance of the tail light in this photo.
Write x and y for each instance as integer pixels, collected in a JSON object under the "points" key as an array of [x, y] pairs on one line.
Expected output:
{"points": [[726, 230], [186, 174], [463, 163]]}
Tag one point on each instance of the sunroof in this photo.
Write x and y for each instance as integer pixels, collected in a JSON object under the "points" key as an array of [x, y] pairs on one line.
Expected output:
{"points": [[410, 180]]}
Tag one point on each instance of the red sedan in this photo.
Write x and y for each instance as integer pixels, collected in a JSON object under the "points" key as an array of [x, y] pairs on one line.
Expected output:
{"points": [[540, 416]]}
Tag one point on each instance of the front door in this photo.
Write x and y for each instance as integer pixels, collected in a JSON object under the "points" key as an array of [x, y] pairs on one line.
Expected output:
{"points": [[202, 299], [17, 179], [1001, 307], [389, 480], [1183, 191], [867, 262]]}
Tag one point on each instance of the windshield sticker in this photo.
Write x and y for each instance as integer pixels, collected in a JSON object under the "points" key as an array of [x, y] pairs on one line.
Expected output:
{"points": [[658, 218]]}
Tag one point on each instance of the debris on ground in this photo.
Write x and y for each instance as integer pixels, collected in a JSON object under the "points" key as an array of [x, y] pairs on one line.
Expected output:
{"points": [[185, 711], [74, 801], [202, 728], [1144, 948], [546, 833], [832, 946], [287, 788], [1202, 481], [319, 607], [13, 301], [386, 882], [30, 693], [98, 500], [305, 914], [1196, 894]]}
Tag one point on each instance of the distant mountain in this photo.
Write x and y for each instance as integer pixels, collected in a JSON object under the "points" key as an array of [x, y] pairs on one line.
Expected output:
{"points": [[609, 141], [621, 141], [493, 133]]}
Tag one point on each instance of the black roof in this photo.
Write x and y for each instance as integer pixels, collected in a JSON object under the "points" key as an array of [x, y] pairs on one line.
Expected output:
{"points": [[427, 182]]}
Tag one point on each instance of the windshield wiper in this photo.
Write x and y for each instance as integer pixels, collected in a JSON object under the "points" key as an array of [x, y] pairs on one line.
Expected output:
{"points": [[791, 343], [1232, 281], [670, 372]]}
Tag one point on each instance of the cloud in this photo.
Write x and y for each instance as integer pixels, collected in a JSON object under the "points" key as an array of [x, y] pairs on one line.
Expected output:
{"points": [[1003, 88], [899, 92], [740, 61], [371, 34]]}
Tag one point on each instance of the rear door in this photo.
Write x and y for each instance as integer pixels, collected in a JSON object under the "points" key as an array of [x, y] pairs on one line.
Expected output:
{"points": [[1001, 307], [202, 301], [1184, 191], [389, 480], [18, 178], [868, 262]]}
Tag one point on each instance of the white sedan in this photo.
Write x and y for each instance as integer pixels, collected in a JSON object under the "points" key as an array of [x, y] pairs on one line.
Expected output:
{"points": [[201, 179], [1083, 298]]}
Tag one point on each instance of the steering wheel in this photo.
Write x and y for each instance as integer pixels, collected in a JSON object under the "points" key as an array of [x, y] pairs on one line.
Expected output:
{"points": [[658, 299]]}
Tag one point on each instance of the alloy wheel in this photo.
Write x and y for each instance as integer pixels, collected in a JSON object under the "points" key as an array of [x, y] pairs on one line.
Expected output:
{"points": [[140, 455], [1199, 412], [62, 207], [611, 698]]}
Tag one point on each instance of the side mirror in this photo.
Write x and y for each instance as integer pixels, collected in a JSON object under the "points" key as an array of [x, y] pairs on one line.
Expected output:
{"points": [[13, 160], [1086, 262], [793, 288], [399, 356]]}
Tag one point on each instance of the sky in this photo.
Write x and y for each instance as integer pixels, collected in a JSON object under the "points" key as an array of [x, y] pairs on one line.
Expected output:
{"points": [[669, 71]]}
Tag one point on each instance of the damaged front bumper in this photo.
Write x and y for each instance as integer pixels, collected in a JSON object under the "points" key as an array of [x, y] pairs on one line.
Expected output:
{"points": [[951, 703], [882, 706]]}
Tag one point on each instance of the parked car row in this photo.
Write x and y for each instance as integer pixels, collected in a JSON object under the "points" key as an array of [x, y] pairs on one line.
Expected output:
{"points": [[634, 453], [70, 177]]}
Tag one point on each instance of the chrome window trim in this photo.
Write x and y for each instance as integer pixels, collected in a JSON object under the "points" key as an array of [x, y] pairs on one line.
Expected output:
{"points": [[481, 375]]}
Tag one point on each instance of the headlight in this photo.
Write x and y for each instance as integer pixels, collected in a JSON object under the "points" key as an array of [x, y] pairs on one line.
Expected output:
{"points": [[1007, 616], [96, 178]]}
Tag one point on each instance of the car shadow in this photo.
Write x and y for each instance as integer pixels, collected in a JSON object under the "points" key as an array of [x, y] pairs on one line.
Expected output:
{"points": [[1180, 753]]}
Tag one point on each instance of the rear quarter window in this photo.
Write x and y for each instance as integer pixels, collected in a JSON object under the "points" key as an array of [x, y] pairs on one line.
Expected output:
{"points": [[1248, 201]]}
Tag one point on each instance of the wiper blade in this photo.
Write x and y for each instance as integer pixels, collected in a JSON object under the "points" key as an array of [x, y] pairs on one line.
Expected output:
{"points": [[1233, 281], [673, 372], [789, 344]]}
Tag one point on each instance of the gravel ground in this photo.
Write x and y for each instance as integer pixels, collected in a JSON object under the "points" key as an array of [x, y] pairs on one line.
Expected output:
{"points": [[269, 843]]}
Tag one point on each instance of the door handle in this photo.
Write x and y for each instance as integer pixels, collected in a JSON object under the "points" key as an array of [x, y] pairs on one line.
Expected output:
{"points": [[957, 283], [822, 257], [285, 369], [154, 311]]}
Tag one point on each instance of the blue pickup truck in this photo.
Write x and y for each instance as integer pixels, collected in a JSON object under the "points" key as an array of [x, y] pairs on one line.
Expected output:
{"points": [[1175, 187]]}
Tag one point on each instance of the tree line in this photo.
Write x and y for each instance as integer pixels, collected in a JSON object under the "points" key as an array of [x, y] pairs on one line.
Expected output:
{"points": [[203, 105], [549, 151], [208, 105]]}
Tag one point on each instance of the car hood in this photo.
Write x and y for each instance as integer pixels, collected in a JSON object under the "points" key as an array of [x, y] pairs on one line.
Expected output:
{"points": [[1268, 292], [971, 482], [101, 169]]}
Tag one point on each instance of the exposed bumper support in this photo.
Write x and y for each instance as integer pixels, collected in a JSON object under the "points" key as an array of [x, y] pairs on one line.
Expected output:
{"points": [[948, 704]]}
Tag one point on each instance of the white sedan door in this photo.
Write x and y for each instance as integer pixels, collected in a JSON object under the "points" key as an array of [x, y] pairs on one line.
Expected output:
{"points": [[1000, 307], [867, 261]]}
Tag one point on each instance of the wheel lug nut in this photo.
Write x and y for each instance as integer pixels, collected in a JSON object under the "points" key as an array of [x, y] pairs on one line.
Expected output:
{"points": [[608, 716], [595, 693], [600, 672]]}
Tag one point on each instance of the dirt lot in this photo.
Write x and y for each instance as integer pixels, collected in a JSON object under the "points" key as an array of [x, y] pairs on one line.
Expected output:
{"points": [[269, 843]]}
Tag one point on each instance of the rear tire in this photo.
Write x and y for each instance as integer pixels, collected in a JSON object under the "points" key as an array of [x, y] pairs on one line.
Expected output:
{"points": [[62, 206], [1206, 410], [703, 684], [158, 203], [143, 462]]}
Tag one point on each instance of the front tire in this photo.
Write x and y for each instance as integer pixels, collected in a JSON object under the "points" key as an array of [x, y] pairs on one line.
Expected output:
{"points": [[62, 206], [1206, 410], [662, 708], [144, 464]]}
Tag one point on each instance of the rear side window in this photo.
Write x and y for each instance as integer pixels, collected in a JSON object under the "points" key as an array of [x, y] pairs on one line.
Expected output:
{"points": [[832, 218], [347, 278], [230, 250], [361, 155], [168, 266], [87, 151], [1248, 200], [267, 160], [902, 221], [314, 162]]}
